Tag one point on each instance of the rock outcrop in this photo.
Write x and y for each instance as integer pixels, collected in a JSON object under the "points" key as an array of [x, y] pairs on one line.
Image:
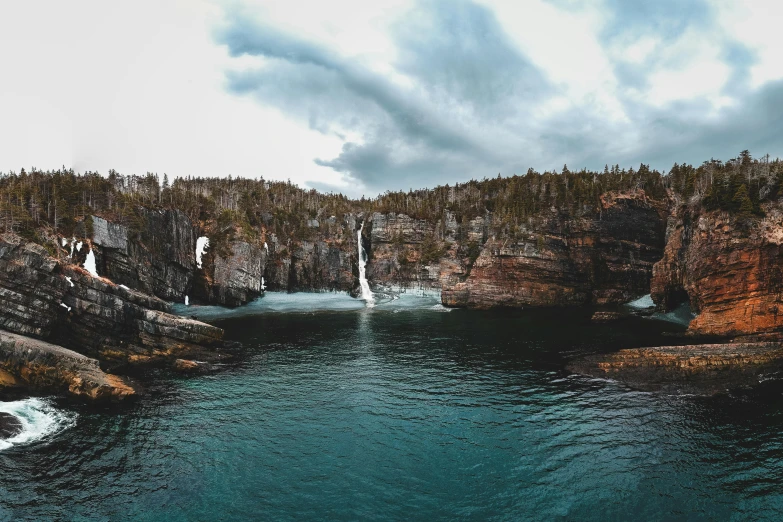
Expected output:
{"points": [[403, 251], [729, 267], [603, 256], [232, 280], [50, 368], [51, 300], [10, 426], [703, 369], [159, 260]]}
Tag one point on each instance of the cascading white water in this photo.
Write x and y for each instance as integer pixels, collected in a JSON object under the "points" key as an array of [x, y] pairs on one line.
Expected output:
{"points": [[89, 264], [38, 419], [202, 244], [366, 292]]}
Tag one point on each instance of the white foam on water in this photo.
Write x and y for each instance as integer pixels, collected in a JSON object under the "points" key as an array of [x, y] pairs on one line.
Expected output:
{"points": [[202, 244], [39, 420], [680, 315], [643, 302], [315, 302], [89, 264], [365, 285]]}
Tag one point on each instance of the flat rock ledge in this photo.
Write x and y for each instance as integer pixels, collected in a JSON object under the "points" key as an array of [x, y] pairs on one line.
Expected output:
{"points": [[42, 366], [703, 369], [607, 317]]}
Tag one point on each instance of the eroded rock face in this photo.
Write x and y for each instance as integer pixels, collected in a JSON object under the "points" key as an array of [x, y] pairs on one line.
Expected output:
{"points": [[232, 280], [730, 268], [57, 302], [159, 261], [395, 245], [47, 367], [599, 257]]}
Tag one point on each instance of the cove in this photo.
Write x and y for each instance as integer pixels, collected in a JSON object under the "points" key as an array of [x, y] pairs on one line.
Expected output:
{"points": [[405, 411]]}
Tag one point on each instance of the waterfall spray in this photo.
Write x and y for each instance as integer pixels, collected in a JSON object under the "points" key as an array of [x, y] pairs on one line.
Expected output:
{"points": [[366, 292]]}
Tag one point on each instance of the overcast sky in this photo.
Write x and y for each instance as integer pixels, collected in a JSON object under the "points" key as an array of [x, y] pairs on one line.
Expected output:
{"points": [[363, 96]]}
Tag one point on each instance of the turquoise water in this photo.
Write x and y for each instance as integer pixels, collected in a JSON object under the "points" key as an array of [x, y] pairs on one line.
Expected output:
{"points": [[405, 412]]}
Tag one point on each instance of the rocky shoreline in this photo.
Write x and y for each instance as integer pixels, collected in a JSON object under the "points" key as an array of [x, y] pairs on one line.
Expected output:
{"points": [[624, 245], [703, 369], [62, 328], [49, 368]]}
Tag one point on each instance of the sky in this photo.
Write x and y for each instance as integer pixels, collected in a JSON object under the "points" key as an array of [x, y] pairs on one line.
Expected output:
{"points": [[362, 97]]}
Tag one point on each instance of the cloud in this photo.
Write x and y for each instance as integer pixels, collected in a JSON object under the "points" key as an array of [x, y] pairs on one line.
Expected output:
{"points": [[459, 98], [462, 74]]}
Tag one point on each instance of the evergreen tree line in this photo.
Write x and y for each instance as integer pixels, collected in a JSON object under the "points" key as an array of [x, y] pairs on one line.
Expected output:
{"points": [[59, 199]]}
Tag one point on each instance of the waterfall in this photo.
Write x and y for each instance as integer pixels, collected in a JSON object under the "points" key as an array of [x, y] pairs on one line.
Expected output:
{"points": [[202, 244], [89, 264], [366, 292]]}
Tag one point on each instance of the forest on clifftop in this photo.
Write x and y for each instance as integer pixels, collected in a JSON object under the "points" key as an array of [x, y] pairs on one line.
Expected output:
{"points": [[57, 200]]}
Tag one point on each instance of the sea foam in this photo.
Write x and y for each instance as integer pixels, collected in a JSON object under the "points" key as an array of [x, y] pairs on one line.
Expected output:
{"points": [[39, 420]]}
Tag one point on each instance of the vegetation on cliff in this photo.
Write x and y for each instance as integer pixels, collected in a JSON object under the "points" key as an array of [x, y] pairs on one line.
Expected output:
{"points": [[232, 208]]}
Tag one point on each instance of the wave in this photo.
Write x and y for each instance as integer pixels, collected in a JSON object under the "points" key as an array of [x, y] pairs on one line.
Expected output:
{"points": [[39, 420], [641, 303]]}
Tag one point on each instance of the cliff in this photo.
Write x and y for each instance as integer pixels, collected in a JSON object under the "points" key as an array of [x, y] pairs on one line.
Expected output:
{"points": [[159, 259], [729, 268], [408, 252], [231, 280], [600, 256], [597, 254], [541, 239], [52, 300]]}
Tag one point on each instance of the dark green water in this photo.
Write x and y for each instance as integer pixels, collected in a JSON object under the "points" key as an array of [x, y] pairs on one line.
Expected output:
{"points": [[406, 412]]}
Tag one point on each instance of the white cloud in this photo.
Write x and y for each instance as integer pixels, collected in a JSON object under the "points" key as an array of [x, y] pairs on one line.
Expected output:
{"points": [[137, 87], [756, 23], [142, 86]]}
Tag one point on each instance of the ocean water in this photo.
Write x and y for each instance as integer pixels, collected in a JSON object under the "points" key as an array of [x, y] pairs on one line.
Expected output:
{"points": [[406, 411]]}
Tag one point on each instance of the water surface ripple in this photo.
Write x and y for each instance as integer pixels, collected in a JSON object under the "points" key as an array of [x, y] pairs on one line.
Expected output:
{"points": [[406, 413]]}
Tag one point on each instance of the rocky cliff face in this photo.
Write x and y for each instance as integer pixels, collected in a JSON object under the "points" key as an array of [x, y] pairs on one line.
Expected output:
{"points": [[403, 251], [558, 259], [730, 269], [323, 261], [159, 260], [232, 280], [58, 302]]}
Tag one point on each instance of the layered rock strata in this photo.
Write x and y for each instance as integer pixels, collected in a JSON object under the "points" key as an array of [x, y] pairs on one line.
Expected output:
{"points": [[729, 267], [396, 246], [50, 368], [603, 256], [50, 300], [159, 260], [233, 280]]}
